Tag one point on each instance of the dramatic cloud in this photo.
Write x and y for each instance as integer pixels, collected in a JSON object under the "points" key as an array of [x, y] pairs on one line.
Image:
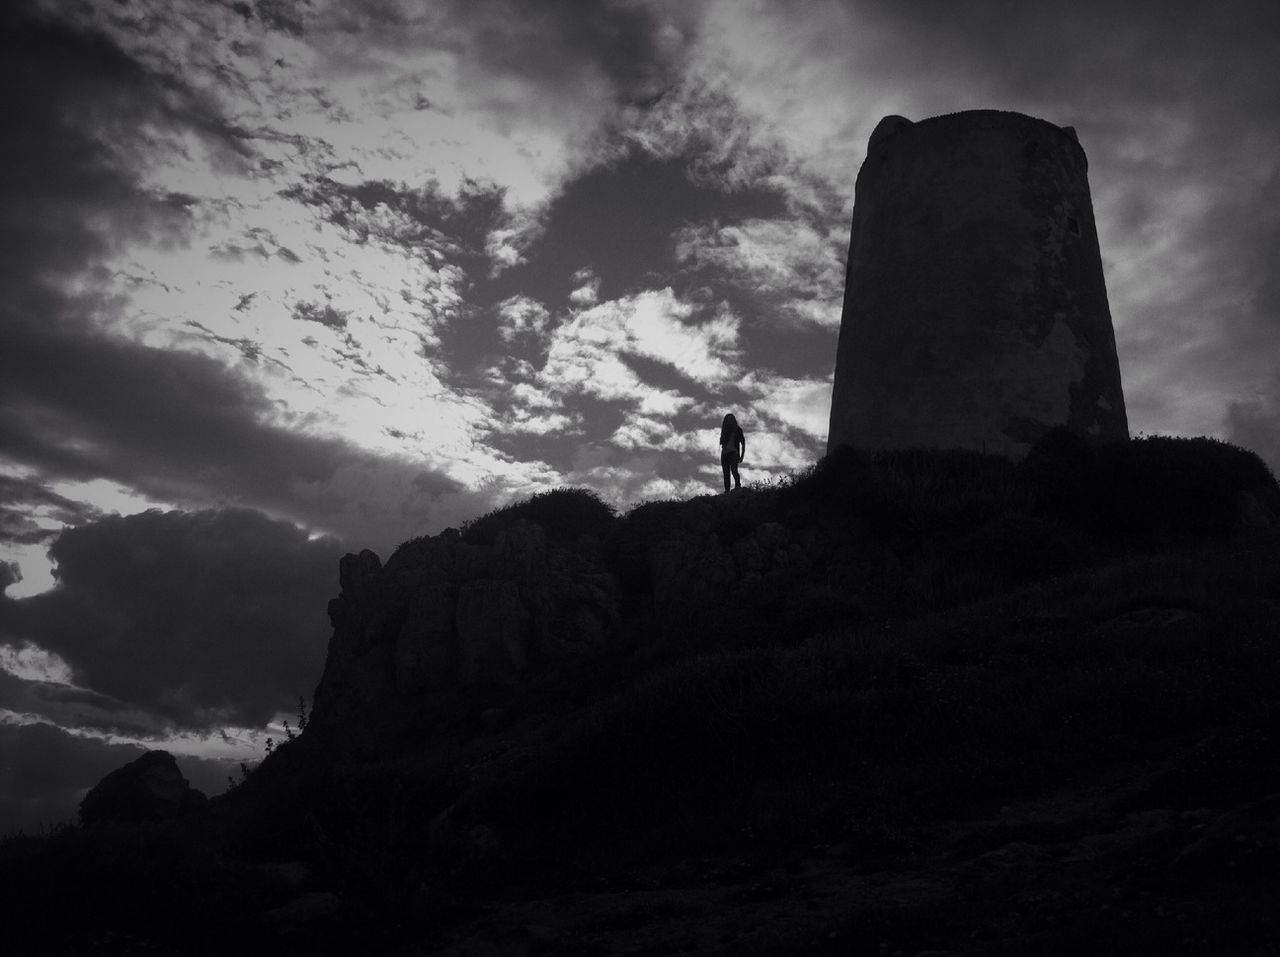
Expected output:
{"points": [[198, 620], [370, 268], [1175, 104], [787, 269], [183, 428]]}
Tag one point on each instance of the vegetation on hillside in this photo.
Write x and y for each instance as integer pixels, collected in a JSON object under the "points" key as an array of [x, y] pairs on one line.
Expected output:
{"points": [[1090, 633]]}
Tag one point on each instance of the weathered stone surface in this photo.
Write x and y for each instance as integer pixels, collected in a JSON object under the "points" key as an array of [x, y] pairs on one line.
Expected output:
{"points": [[425, 646], [152, 788], [975, 310], [445, 613], [358, 573], [493, 632]]}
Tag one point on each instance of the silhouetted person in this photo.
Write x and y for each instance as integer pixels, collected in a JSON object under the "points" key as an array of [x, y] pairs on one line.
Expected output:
{"points": [[733, 449]]}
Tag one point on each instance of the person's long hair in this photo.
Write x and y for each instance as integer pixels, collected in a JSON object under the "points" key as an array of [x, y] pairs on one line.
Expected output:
{"points": [[728, 429]]}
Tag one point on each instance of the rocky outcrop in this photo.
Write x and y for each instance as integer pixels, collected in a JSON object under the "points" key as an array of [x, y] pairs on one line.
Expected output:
{"points": [[450, 619], [150, 789], [704, 585], [447, 613], [469, 625]]}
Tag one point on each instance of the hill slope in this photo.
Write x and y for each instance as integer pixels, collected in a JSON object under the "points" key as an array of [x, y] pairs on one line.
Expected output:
{"points": [[916, 701]]}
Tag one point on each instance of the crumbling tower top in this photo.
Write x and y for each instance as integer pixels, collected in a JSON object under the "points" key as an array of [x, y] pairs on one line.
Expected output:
{"points": [[975, 310]]}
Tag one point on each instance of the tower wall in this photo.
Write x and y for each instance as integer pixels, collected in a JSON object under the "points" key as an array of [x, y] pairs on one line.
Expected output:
{"points": [[975, 311]]}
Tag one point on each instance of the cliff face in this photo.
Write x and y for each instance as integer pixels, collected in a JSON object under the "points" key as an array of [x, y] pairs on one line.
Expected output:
{"points": [[450, 619], [446, 614], [1134, 678], [459, 624]]}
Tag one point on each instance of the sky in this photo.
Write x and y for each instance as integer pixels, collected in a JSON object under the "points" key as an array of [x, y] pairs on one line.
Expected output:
{"points": [[287, 278]]}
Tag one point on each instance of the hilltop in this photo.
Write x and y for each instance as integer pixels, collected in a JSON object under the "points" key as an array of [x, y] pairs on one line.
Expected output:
{"points": [[903, 702]]}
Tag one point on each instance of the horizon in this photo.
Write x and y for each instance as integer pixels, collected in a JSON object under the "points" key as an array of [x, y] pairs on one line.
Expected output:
{"points": [[289, 279]]}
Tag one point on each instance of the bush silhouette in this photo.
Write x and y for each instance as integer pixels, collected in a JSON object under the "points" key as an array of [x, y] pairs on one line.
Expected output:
{"points": [[565, 514], [1154, 490]]}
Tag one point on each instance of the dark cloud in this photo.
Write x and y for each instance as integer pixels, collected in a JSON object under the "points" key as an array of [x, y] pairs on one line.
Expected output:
{"points": [[422, 218], [620, 220], [68, 706], [560, 46], [283, 15], [322, 313], [19, 496], [79, 403], [72, 128], [1094, 49], [200, 619], [638, 46], [46, 772], [10, 574]]}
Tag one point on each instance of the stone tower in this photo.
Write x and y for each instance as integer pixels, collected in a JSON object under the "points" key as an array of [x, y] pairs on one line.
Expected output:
{"points": [[975, 313]]}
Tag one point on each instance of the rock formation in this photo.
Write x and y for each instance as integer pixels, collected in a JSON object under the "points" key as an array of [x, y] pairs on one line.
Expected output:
{"points": [[150, 789], [975, 312], [448, 619], [446, 613]]}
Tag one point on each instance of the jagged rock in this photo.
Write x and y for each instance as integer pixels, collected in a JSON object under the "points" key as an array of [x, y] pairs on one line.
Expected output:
{"points": [[152, 788], [358, 573], [447, 612]]}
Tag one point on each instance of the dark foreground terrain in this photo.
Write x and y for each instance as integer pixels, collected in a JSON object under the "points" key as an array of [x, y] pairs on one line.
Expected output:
{"points": [[1027, 709]]}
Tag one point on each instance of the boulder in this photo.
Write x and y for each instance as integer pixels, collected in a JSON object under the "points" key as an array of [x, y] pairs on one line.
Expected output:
{"points": [[152, 788]]}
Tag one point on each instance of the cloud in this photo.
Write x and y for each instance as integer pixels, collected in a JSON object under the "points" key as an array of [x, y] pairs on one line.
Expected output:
{"points": [[802, 405], [324, 314], [90, 122], [10, 574], [195, 619], [45, 773], [1176, 106], [585, 353], [422, 218], [637, 47], [184, 428], [618, 218], [789, 270], [30, 662], [1255, 425], [24, 500], [521, 316]]}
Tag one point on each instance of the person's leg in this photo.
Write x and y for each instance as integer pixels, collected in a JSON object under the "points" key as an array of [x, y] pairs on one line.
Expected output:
{"points": [[737, 482], [725, 466]]}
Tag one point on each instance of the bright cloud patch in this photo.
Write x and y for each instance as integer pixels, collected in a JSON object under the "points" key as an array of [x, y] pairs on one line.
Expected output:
{"points": [[520, 315], [33, 663], [803, 404], [584, 352], [790, 265], [587, 353]]}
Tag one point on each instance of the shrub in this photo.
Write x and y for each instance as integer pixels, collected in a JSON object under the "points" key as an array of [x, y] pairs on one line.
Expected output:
{"points": [[1178, 489], [565, 514], [1156, 490]]}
